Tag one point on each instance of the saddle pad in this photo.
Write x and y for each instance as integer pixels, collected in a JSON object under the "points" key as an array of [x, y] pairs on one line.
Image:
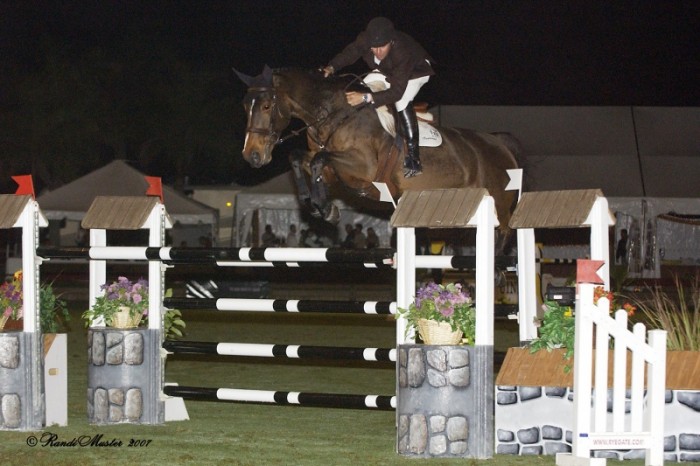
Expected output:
{"points": [[428, 136]]}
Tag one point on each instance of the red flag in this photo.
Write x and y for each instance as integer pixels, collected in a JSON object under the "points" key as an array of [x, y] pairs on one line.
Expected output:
{"points": [[586, 271], [155, 187], [25, 185]]}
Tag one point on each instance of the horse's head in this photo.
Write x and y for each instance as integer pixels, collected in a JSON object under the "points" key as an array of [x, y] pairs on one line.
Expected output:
{"points": [[267, 117]]}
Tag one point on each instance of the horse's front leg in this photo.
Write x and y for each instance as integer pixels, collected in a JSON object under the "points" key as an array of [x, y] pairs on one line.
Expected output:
{"points": [[319, 190], [296, 159]]}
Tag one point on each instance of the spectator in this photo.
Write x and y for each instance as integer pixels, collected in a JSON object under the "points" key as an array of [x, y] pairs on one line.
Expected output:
{"points": [[304, 235], [292, 239], [372, 239], [349, 234], [269, 239], [359, 239], [621, 251]]}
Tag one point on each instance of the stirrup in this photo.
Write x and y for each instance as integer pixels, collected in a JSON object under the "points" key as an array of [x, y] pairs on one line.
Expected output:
{"points": [[411, 167]]}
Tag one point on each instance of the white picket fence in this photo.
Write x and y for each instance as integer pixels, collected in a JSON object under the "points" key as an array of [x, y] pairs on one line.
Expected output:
{"points": [[594, 428]]}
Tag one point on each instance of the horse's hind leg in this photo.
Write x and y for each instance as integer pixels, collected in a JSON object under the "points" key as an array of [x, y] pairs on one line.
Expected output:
{"points": [[504, 241], [319, 191]]}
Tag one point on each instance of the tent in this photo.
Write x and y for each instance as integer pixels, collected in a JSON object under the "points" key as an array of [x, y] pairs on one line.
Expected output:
{"points": [[70, 202], [274, 202]]}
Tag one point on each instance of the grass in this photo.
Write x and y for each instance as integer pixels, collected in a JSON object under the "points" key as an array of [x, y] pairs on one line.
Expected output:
{"points": [[251, 434], [678, 314]]}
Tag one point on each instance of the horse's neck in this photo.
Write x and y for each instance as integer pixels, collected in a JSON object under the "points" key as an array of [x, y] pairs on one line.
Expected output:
{"points": [[305, 97]]}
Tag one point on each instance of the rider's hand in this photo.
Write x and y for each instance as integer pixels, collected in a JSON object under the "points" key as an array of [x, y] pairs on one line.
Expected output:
{"points": [[327, 71], [357, 98]]}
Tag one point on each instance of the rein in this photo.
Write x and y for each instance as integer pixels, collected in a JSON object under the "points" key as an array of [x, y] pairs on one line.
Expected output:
{"points": [[318, 121]]}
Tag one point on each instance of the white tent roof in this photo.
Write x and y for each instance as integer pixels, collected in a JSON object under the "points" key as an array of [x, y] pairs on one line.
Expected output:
{"points": [[117, 178]]}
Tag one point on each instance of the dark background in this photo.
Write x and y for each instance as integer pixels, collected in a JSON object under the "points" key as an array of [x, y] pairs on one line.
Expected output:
{"points": [[151, 81]]}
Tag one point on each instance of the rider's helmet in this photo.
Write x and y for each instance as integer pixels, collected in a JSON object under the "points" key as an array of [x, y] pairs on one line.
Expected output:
{"points": [[380, 31]]}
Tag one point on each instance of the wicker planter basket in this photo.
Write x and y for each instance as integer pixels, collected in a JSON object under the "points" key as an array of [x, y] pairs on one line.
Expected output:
{"points": [[438, 333], [124, 319], [9, 324]]}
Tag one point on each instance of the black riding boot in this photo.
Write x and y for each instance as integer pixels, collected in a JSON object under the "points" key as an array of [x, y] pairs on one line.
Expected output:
{"points": [[409, 126]]}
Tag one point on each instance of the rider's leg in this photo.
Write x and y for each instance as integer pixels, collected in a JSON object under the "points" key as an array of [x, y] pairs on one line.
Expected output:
{"points": [[409, 125]]}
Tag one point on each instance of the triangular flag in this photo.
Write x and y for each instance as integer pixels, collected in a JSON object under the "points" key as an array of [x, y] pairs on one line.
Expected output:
{"points": [[155, 187], [384, 193], [25, 185], [516, 179], [586, 271]]}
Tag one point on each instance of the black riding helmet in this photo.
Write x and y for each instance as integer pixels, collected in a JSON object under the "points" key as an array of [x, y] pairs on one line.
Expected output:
{"points": [[380, 31]]}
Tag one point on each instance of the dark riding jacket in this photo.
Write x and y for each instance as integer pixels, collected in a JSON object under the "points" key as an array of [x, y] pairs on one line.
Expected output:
{"points": [[406, 60]]}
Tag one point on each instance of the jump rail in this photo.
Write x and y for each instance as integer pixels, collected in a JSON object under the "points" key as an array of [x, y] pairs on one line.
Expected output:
{"points": [[319, 400], [282, 305], [280, 351], [269, 257]]}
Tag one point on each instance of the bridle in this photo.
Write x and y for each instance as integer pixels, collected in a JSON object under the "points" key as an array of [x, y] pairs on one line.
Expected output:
{"points": [[317, 122], [274, 109]]}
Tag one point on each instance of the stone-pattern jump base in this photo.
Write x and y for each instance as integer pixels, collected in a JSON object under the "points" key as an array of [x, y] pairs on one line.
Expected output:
{"points": [[445, 401], [539, 421], [21, 395], [124, 376]]}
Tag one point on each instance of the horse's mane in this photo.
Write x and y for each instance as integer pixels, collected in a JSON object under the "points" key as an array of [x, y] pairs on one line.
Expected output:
{"points": [[312, 85]]}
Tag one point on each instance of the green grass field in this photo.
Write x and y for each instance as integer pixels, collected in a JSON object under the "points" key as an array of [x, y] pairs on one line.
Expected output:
{"points": [[250, 434]]}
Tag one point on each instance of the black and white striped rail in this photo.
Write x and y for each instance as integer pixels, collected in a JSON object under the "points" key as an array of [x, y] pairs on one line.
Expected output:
{"points": [[282, 305], [277, 257], [462, 262], [225, 256], [319, 400], [280, 351], [305, 305]]}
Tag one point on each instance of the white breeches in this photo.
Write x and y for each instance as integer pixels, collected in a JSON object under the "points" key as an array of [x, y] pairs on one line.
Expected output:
{"points": [[377, 82]]}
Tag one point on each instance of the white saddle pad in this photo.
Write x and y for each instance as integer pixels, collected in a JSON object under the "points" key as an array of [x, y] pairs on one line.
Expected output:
{"points": [[428, 136]]}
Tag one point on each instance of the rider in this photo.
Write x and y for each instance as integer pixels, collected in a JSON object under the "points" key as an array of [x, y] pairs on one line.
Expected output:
{"points": [[406, 66]]}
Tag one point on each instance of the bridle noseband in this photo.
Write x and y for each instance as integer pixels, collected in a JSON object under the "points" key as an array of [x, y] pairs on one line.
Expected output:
{"points": [[269, 131]]}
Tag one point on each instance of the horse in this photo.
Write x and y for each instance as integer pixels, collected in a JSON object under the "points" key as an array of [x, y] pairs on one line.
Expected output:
{"points": [[349, 145]]}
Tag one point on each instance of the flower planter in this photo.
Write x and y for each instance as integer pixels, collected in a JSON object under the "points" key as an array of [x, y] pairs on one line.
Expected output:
{"points": [[124, 318], [534, 406], [438, 333], [11, 325], [123, 305]]}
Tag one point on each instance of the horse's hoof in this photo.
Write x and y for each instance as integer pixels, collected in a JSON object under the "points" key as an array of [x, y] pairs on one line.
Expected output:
{"points": [[333, 215]]}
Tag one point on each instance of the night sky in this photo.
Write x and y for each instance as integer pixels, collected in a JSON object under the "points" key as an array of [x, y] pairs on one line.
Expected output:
{"points": [[495, 52]]}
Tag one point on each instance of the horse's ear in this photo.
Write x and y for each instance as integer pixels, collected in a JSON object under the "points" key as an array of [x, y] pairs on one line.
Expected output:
{"points": [[267, 75], [247, 80]]}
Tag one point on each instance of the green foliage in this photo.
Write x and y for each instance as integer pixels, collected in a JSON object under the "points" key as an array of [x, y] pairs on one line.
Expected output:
{"points": [[557, 327], [173, 324], [556, 330], [679, 315], [443, 303], [54, 314]]}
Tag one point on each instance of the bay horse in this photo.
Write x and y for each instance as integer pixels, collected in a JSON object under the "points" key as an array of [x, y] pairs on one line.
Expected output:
{"points": [[349, 145]]}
